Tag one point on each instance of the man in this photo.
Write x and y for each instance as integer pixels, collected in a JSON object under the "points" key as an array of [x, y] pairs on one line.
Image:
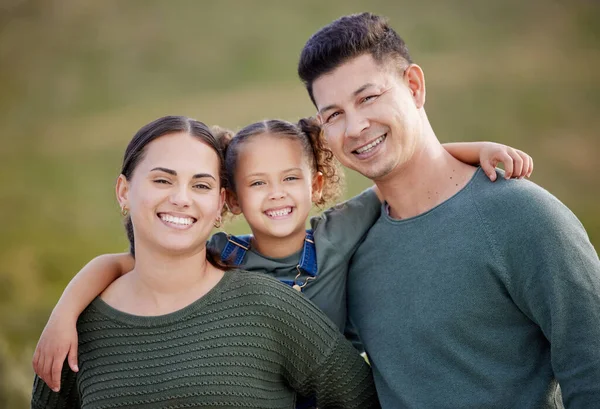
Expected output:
{"points": [[465, 293]]}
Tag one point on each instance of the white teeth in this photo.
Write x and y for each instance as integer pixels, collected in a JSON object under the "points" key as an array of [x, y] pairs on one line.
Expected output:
{"points": [[370, 146], [177, 220], [279, 212]]}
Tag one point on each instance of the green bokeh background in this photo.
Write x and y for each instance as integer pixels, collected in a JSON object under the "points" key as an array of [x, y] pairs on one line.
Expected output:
{"points": [[77, 79]]}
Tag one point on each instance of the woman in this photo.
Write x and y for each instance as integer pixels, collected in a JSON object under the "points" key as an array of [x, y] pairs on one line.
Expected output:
{"points": [[180, 330]]}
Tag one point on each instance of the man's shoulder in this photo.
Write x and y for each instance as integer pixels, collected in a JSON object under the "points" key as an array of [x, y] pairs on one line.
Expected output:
{"points": [[517, 201]]}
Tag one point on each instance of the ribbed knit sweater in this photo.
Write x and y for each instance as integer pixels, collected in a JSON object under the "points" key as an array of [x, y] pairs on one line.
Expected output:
{"points": [[488, 300], [251, 342]]}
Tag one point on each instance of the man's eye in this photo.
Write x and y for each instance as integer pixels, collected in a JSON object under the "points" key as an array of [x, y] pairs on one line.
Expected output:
{"points": [[333, 116], [369, 98]]}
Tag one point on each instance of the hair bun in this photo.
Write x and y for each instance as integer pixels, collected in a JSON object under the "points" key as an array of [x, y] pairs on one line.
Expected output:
{"points": [[310, 126], [222, 135]]}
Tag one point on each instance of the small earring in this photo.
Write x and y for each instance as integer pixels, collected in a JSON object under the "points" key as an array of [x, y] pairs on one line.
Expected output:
{"points": [[217, 223], [124, 211]]}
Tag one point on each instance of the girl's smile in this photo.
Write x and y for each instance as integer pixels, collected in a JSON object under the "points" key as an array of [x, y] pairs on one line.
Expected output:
{"points": [[279, 213]]}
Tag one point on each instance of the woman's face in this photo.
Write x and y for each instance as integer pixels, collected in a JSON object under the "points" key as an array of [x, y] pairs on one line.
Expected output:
{"points": [[174, 195]]}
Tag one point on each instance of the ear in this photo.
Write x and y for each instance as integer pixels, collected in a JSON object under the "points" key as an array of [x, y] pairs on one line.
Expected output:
{"points": [[122, 190], [317, 187], [233, 203], [415, 80], [319, 118], [222, 196]]}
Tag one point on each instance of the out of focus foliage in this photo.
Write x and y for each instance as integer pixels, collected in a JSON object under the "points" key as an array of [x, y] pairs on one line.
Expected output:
{"points": [[77, 79]]}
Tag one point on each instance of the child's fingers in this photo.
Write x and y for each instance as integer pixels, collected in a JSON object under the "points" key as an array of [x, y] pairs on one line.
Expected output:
{"points": [[490, 169], [507, 160], [530, 171], [525, 168], [57, 366], [517, 163], [73, 357], [46, 371]]}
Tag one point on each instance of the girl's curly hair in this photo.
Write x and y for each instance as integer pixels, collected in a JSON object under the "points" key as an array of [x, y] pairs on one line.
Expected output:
{"points": [[308, 132]]}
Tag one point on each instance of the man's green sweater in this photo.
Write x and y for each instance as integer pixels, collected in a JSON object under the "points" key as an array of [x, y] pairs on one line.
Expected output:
{"points": [[251, 342], [488, 300]]}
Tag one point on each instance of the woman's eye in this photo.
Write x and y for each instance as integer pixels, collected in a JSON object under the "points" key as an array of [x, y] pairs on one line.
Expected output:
{"points": [[162, 181], [202, 186]]}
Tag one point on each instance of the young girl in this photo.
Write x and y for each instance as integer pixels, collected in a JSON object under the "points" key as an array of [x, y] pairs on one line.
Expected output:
{"points": [[275, 170]]}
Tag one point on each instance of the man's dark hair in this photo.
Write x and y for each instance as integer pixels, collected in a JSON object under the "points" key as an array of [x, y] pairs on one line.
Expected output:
{"points": [[346, 38]]}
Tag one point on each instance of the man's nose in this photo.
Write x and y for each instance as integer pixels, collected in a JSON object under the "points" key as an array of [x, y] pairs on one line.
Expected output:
{"points": [[355, 124]]}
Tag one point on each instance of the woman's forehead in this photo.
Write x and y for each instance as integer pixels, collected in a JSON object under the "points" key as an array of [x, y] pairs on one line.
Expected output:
{"points": [[181, 150]]}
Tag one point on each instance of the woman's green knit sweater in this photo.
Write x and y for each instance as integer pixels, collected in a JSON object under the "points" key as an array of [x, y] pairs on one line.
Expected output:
{"points": [[251, 342]]}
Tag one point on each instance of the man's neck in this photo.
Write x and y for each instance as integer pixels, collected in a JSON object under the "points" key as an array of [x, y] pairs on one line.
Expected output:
{"points": [[428, 179]]}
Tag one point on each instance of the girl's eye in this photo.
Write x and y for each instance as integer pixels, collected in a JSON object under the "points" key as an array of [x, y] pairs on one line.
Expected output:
{"points": [[290, 178], [257, 183]]}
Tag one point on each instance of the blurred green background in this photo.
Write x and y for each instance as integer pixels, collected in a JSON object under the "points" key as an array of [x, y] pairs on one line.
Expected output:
{"points": [[77, 79]]}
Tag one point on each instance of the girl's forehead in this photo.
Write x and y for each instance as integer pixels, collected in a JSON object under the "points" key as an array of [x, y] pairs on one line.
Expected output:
{"points": [[268, 150], [259, 145]]}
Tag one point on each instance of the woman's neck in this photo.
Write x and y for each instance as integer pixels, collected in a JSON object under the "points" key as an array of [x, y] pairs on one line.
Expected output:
{"points": [[162, 283]]}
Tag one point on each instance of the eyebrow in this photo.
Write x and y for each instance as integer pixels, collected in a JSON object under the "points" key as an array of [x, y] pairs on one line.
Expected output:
{"points": [[355, 93], [172, 172], [283, 171]]}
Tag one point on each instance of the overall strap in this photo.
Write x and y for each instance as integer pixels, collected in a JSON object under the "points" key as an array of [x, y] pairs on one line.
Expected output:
{"points": [[308, 263], [308, 259], [235, 249]]}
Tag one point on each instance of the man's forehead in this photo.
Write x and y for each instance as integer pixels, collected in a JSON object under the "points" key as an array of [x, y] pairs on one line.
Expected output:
{"points": [[347, 79]]}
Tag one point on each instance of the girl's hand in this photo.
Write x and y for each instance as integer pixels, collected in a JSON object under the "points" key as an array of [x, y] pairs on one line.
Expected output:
{"points": [[58, 340], [517, 164]]}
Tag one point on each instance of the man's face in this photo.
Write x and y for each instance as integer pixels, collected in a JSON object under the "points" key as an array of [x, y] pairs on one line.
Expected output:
{"points": [[370, 115]]}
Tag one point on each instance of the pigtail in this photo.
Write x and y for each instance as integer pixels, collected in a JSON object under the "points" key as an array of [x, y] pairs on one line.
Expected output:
{"points": [[325, 162], [223, 137]]}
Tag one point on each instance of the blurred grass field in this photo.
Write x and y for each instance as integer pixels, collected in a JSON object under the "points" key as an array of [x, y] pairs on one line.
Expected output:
{"points": [[77, 79]]}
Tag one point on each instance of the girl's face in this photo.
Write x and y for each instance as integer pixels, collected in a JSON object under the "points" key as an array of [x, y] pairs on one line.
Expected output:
{"points": [[174, 195], [275, 187]]}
